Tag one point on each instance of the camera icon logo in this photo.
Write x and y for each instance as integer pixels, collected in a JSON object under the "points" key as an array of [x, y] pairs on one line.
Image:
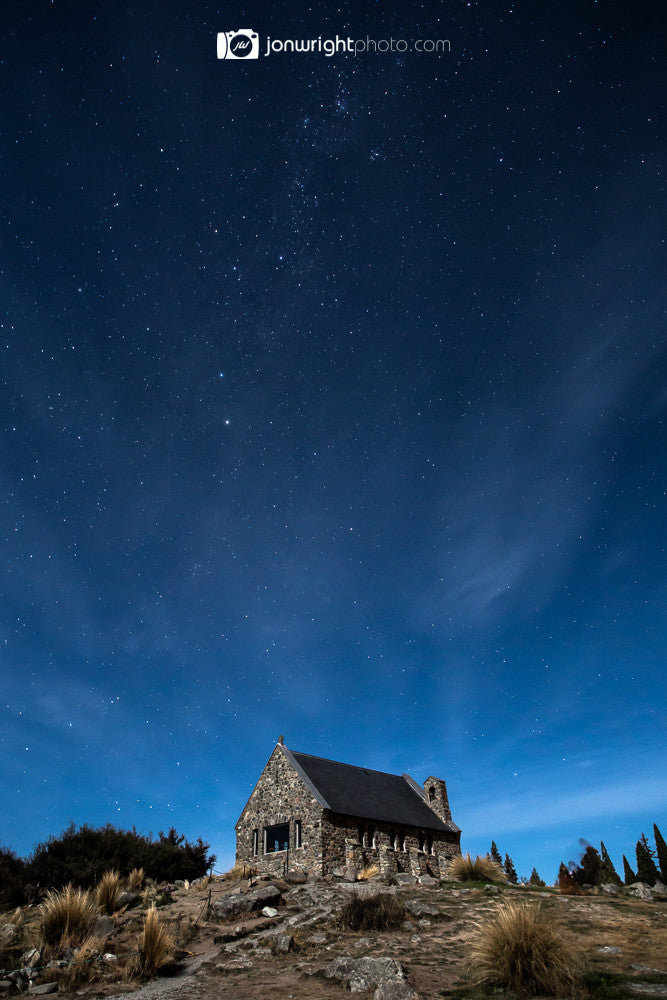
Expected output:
{"points": [[241, 44]]}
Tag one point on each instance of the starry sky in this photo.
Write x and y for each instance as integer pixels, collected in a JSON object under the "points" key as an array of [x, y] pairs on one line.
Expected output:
{"points": [[332, 405]]}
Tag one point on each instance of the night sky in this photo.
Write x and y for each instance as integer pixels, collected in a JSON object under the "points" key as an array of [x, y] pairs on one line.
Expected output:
{"points": [[332, 405]]}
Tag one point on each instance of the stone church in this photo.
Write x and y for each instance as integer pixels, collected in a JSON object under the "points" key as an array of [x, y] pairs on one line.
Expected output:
{"points": [[316, 815]]}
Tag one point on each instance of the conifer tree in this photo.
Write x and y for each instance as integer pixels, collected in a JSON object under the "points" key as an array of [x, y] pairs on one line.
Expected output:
{"points": [[661, 849], [535, 878], [510, 870], [608, 873], [588, 872], [646, 870], [630, 876], [495, 854]]}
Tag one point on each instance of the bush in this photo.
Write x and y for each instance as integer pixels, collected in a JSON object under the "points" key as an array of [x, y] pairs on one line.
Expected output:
{"points": [[81, 855], [521, 949], [240, 870], [67, 917], [12, 879], [464, 869], [157, 945], [382, 912]]}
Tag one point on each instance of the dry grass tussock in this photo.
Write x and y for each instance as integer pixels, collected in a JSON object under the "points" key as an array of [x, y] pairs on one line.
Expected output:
{"points": [[156, 948], [136, 879], [240, 870], [520, 948], [372, 913], [370, 871], [67, 917], [483, 869], [86, 965], [108, 891]]}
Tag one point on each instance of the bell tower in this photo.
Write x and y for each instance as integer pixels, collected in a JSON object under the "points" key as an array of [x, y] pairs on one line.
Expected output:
{"points": [[435, 796]]}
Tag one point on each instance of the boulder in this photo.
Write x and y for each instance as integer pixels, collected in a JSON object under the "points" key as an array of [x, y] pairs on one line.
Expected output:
{"points": [[43, 988], [230, 906], [269, 911], [128, 899], [428, 880], [640, 891], [659, 890], [296, 878], [404, 878], [419, 909], [104, 926], [361, 974], [611, 889], [284, 942]]}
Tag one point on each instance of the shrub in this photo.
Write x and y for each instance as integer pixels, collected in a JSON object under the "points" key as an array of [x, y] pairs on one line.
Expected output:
{"points": [[520, 948], [81, 855], [369, 872], [382, 912], [464, 869], [156, 948], [67, 917], [108, 891], [608, 873], [12, 879], [567, 883]]}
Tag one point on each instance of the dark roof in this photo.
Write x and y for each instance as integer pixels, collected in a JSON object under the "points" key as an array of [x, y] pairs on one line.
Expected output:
{"points": [[365, 794]]}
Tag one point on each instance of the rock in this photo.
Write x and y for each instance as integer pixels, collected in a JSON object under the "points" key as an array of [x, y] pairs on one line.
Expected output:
{"points": [[296, 878], [338, 873], [490, 889], [640, 891], [648, 989], [636, 967], [7, 932], [351, 873], [43, 988], [609, 949], [659, 890], [30, 957], [179, 883], [427, 880], [420, 909], [361, 974], [104, 926], [404, 878], [284, 942], [269, 911], [611, 889], [6, 986], [230, 906], [317, 939], [128, 899]]}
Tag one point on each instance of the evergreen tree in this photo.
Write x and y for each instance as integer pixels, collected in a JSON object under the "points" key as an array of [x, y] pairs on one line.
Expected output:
{"points": [[630, 876], [661, 849], [608, 873], [646, 870], [535, 878], [588, 872], [495, 854], [510, 870]]}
